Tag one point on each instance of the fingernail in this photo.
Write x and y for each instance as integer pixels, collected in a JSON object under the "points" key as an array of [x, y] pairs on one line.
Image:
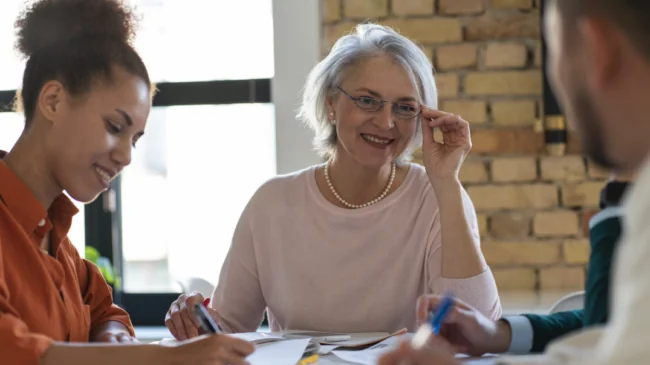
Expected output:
{"points": [[206, 302]]}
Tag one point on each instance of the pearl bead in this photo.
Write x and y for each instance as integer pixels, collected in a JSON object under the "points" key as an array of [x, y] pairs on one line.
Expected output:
{"points": [[357, 206]]}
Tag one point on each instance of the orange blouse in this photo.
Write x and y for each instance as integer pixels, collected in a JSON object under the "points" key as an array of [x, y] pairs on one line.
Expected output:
{"points": [[45, 298]]}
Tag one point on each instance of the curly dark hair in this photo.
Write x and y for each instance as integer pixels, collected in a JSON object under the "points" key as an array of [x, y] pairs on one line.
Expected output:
{"points": [[75, 42]]}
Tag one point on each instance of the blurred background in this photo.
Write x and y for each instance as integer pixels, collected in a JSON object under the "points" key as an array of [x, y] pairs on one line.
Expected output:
{"points": [[230, 75]]}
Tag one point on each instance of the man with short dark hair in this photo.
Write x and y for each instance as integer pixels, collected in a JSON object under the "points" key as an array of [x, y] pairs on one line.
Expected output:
{"points": [[599, 62]]}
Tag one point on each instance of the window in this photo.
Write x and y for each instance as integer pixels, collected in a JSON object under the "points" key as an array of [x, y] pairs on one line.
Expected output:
{"points": [[189, 181], [199, 40], [11, 66], [11, 126]]}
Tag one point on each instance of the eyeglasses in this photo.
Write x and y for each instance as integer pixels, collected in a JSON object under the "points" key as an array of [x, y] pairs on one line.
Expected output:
{"points": [[402, 111]]}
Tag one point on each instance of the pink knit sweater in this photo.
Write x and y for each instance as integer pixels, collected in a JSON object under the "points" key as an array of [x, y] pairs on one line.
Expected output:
{"points": [[316, 266]]}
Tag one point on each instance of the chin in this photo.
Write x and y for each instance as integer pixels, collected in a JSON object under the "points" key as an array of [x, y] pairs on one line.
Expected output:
{"points": [[83, 195]]}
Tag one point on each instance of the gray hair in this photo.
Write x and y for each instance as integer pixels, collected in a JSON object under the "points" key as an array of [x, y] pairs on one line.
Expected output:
{"points": [[367, 40]]}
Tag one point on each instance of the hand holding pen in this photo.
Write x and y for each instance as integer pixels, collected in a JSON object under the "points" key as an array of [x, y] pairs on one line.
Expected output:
{"points": [[465, 329], [426, 347], [181, 319]]}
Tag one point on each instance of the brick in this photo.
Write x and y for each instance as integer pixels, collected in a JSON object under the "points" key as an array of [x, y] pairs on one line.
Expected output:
{"points": [[510, 225], [428, 51], [563, 168], [447, 85], [537, 58], [562, 278], [331, 10], [504, 83], [412, 7], [493, 197], [363, 9], [596, 172], [502, 253], [336, 31], [428, 30], [506, 141], [513, 112], [517, 279], [461, 6], [511, 169], [503, 25], [511, 4], [473, 111], [456, 56], [557, 223], [587, 214], [505, 55], [576, 251], [482, 224], [473, 171], [585, 194]]}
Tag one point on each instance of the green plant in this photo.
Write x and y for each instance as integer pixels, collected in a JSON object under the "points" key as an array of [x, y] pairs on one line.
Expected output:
{"points": [[104, 265]]}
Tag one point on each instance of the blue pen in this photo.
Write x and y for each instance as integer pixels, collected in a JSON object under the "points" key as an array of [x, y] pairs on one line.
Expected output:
{"points": [[434, 325], [441, 314]]}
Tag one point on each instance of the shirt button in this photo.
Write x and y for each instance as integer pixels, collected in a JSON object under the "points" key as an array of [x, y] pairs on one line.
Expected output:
{"points": [[41, 223]]}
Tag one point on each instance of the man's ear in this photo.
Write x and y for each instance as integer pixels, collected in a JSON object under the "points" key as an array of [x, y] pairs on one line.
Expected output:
{"points": [[51, 100], [602, 57]]}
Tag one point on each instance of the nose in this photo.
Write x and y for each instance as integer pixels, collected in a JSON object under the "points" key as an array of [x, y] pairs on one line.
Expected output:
{"points": [[384, 119], [122, 152]]}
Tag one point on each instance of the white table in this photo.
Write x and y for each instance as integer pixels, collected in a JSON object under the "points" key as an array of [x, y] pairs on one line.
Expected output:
{"points": [[333, 360]]}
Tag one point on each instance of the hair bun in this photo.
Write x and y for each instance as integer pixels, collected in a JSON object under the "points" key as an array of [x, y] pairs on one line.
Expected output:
{"points": [[47, 22]]}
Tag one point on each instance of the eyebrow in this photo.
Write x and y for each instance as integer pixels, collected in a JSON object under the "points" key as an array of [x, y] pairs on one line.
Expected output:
{"points": [[378, 95], [126, 116]]}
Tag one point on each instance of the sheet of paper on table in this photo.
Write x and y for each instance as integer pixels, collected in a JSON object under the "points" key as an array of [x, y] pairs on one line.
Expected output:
{"points": [[356, 339], [268, 352], [278, 353], [371, 355]]}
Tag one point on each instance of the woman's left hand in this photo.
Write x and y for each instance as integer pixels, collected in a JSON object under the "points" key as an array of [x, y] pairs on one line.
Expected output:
{"points": [[443, 160]]}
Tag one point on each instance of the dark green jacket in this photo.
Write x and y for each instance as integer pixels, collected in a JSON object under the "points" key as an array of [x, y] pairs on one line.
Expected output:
{"points": [[603, 236]]}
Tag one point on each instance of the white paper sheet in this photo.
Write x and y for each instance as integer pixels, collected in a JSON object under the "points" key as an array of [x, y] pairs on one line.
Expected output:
{"points": [[278, 353], [371, 355], [326, 349], [258, 337]]}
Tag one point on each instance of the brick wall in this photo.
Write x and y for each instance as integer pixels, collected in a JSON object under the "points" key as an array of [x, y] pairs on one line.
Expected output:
{"points": [[532, 207]]}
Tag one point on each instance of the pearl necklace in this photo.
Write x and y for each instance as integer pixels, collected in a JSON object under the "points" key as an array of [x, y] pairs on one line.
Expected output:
{"points": [[357, 206]]}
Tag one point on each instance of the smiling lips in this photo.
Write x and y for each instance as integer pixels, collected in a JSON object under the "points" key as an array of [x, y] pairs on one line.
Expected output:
{"points": [[105, 175], [377, 140]]}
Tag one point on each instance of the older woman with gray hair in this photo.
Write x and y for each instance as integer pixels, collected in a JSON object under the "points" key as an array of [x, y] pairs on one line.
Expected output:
{"points": [[349, 245]]}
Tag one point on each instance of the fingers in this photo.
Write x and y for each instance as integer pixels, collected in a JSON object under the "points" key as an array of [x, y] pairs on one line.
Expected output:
{"points": [[216, 350], [451, 123], [427, 131], [181, 320], [236, 345], [187, 308], [426, 304], [177, 322], [125, 338], [397, 356], [405, 354]]}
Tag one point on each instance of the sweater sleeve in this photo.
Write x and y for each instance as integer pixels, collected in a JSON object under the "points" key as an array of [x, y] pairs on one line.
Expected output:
{"points": [[478, 291], [238, 297], [604, 233], [549, 327]]}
